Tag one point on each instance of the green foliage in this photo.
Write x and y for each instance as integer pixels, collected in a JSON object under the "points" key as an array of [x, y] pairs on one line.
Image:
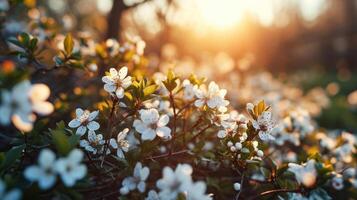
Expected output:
{"points": [[170, 82], [62, 141], [10, 157]]}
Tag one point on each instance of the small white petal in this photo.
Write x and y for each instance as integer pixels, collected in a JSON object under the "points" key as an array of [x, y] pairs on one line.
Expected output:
{"points": [[74, 123], [164, 132], [42, 108], [164, 119], [109, 87], [93, 115], [113, 143], [148, 134], [81, 130], [119, 92], [113, 72], [123, 72], [141, 186], [79, 112], [93, 125], [46, 158]]}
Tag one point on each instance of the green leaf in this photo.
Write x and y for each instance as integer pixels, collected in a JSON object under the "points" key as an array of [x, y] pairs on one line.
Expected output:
{"points": [[61, 141], [73, 140], [68, 44], [24, 39], [149, 90], [33, 44], [11, 156]]}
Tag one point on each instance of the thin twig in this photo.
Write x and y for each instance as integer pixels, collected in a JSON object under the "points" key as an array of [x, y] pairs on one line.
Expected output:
{"points": [[172, 100], [109, 128], [167, 155], [199, 133], [275, 191]]}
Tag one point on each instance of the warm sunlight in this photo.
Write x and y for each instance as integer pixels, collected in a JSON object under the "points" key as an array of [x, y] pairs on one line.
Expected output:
{"points": [[228, 14], [225, 14]]}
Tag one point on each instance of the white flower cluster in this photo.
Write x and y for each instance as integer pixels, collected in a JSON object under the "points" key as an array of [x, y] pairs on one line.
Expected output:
{"points": [[232, 123], [18, 104], [294, 127], [173, 183], [341, 147], [45, 173]]}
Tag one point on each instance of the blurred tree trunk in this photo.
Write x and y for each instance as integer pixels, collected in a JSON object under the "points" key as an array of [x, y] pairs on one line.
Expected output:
{"points": [[113, 19], [351, 23]]}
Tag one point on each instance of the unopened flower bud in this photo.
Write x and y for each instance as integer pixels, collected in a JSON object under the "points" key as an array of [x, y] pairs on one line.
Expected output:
{"points": [[233, 149], [236, 186]]}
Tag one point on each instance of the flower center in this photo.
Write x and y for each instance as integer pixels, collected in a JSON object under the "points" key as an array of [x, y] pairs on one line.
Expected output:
{"points": [[14, 105], [84, 118], [153, 126], [263, 127]]}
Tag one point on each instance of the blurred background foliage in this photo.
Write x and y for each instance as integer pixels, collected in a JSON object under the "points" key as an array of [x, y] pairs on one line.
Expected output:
{"points": [[306, 42]]}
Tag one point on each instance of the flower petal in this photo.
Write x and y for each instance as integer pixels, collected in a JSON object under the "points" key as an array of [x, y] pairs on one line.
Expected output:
{"points": [[164, 119], [93, 115], [113, 143], [142, 186], [79, 112], [46, 158], [123, 72], [164, 132], [39, 92], [148, 134], [75, 156], [74, 123], [42, 107], [109, 87], [119, 92], [81, 130], [93, 125], [113, 72]]}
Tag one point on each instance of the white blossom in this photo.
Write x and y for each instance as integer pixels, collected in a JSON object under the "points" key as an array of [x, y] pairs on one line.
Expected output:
{"points": [[44, 173], [137, 181], [84, 119], [18, 104], [117, 81], [70, 167], [178, 182], [305, 174], [213, 97], [93, 142], [152, 124], [189, 90], [264, 125], [121, 144]]}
